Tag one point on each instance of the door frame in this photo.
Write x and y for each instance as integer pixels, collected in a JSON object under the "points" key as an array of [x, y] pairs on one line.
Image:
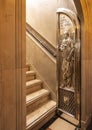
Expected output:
{"points": [[20, 31], [20, 50]]}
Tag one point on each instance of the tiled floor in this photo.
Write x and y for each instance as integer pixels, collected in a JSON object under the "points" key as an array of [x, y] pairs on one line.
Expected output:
{"points": [[59, 124]]}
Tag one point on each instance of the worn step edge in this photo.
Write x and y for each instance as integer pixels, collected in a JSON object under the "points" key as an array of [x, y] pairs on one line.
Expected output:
{"points": [[36, 97], [31, 72], [33, 83], [37, 104], [44, 120], [31, 123], [28, 67], [30, 75]]}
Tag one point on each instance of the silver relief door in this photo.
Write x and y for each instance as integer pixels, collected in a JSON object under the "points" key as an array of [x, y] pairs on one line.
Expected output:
{"points": [[68, 65]]}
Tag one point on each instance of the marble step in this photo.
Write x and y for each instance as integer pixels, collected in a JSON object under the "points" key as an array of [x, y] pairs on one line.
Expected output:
{"points": [[33, 85], [38, 117], [28, 67], [36, 99], [30, 75]]}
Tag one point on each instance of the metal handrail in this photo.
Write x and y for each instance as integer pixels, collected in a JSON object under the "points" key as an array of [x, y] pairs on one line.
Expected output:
{"points": [[40, 40]]}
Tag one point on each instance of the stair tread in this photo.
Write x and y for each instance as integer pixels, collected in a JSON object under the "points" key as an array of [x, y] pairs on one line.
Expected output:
{"points": [[28, 64], [35, 95], [39, 113], [30, 72], [33, 82]]}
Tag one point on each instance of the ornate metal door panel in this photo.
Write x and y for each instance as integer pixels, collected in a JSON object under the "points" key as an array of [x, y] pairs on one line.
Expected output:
{"points": [[68, 63]]}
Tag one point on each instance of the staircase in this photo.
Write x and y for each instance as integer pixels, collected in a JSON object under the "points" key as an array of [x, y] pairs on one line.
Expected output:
{"points": [[39, 106]]}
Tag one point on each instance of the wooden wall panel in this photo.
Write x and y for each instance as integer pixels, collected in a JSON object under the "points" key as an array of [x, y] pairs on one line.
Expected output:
{"points": [[84, 9], [87, 55], [7, 63], [87, 11], [12, 65], [86, 47], [21, 64]]}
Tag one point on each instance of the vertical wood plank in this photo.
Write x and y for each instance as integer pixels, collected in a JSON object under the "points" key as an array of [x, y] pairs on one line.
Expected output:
{"points": [[12, 65], [7, 63], [20, 64], [86, 40]]}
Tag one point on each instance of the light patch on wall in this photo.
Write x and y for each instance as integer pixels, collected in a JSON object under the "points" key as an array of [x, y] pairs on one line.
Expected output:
{"points": [[41, 15]]}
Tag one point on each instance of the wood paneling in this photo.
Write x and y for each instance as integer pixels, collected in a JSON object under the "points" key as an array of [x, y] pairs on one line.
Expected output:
{"points": [[7, 63], [12, 65], [87, 12], [20, 64], [87, 56], [86, 47]]}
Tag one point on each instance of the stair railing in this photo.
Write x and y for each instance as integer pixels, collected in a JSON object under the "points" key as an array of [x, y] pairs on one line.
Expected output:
{"points": [[41, 40]]}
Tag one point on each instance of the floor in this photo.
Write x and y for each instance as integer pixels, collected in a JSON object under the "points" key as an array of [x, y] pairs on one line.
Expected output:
{"points": [[90, 127], [59, 124]]}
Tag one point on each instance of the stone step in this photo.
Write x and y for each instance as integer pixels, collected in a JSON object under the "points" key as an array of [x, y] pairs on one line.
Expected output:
{"points": [[30, 75], [28, 66], [33, 85], [37, 118], [36, 99]]}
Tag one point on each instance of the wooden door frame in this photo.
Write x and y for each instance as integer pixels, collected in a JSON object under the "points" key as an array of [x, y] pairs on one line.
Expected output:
{"points": [[84, 9], [20, 48]]}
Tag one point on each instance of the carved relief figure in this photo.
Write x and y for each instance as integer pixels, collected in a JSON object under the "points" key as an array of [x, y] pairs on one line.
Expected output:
{"points": [[67, 53]]}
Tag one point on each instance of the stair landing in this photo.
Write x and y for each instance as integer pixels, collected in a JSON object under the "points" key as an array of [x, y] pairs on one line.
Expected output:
{"points": [[60, 124]]}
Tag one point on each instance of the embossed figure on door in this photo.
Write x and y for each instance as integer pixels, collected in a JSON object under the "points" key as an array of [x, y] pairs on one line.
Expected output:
{"points": [[68, 62], [67, 55]]}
